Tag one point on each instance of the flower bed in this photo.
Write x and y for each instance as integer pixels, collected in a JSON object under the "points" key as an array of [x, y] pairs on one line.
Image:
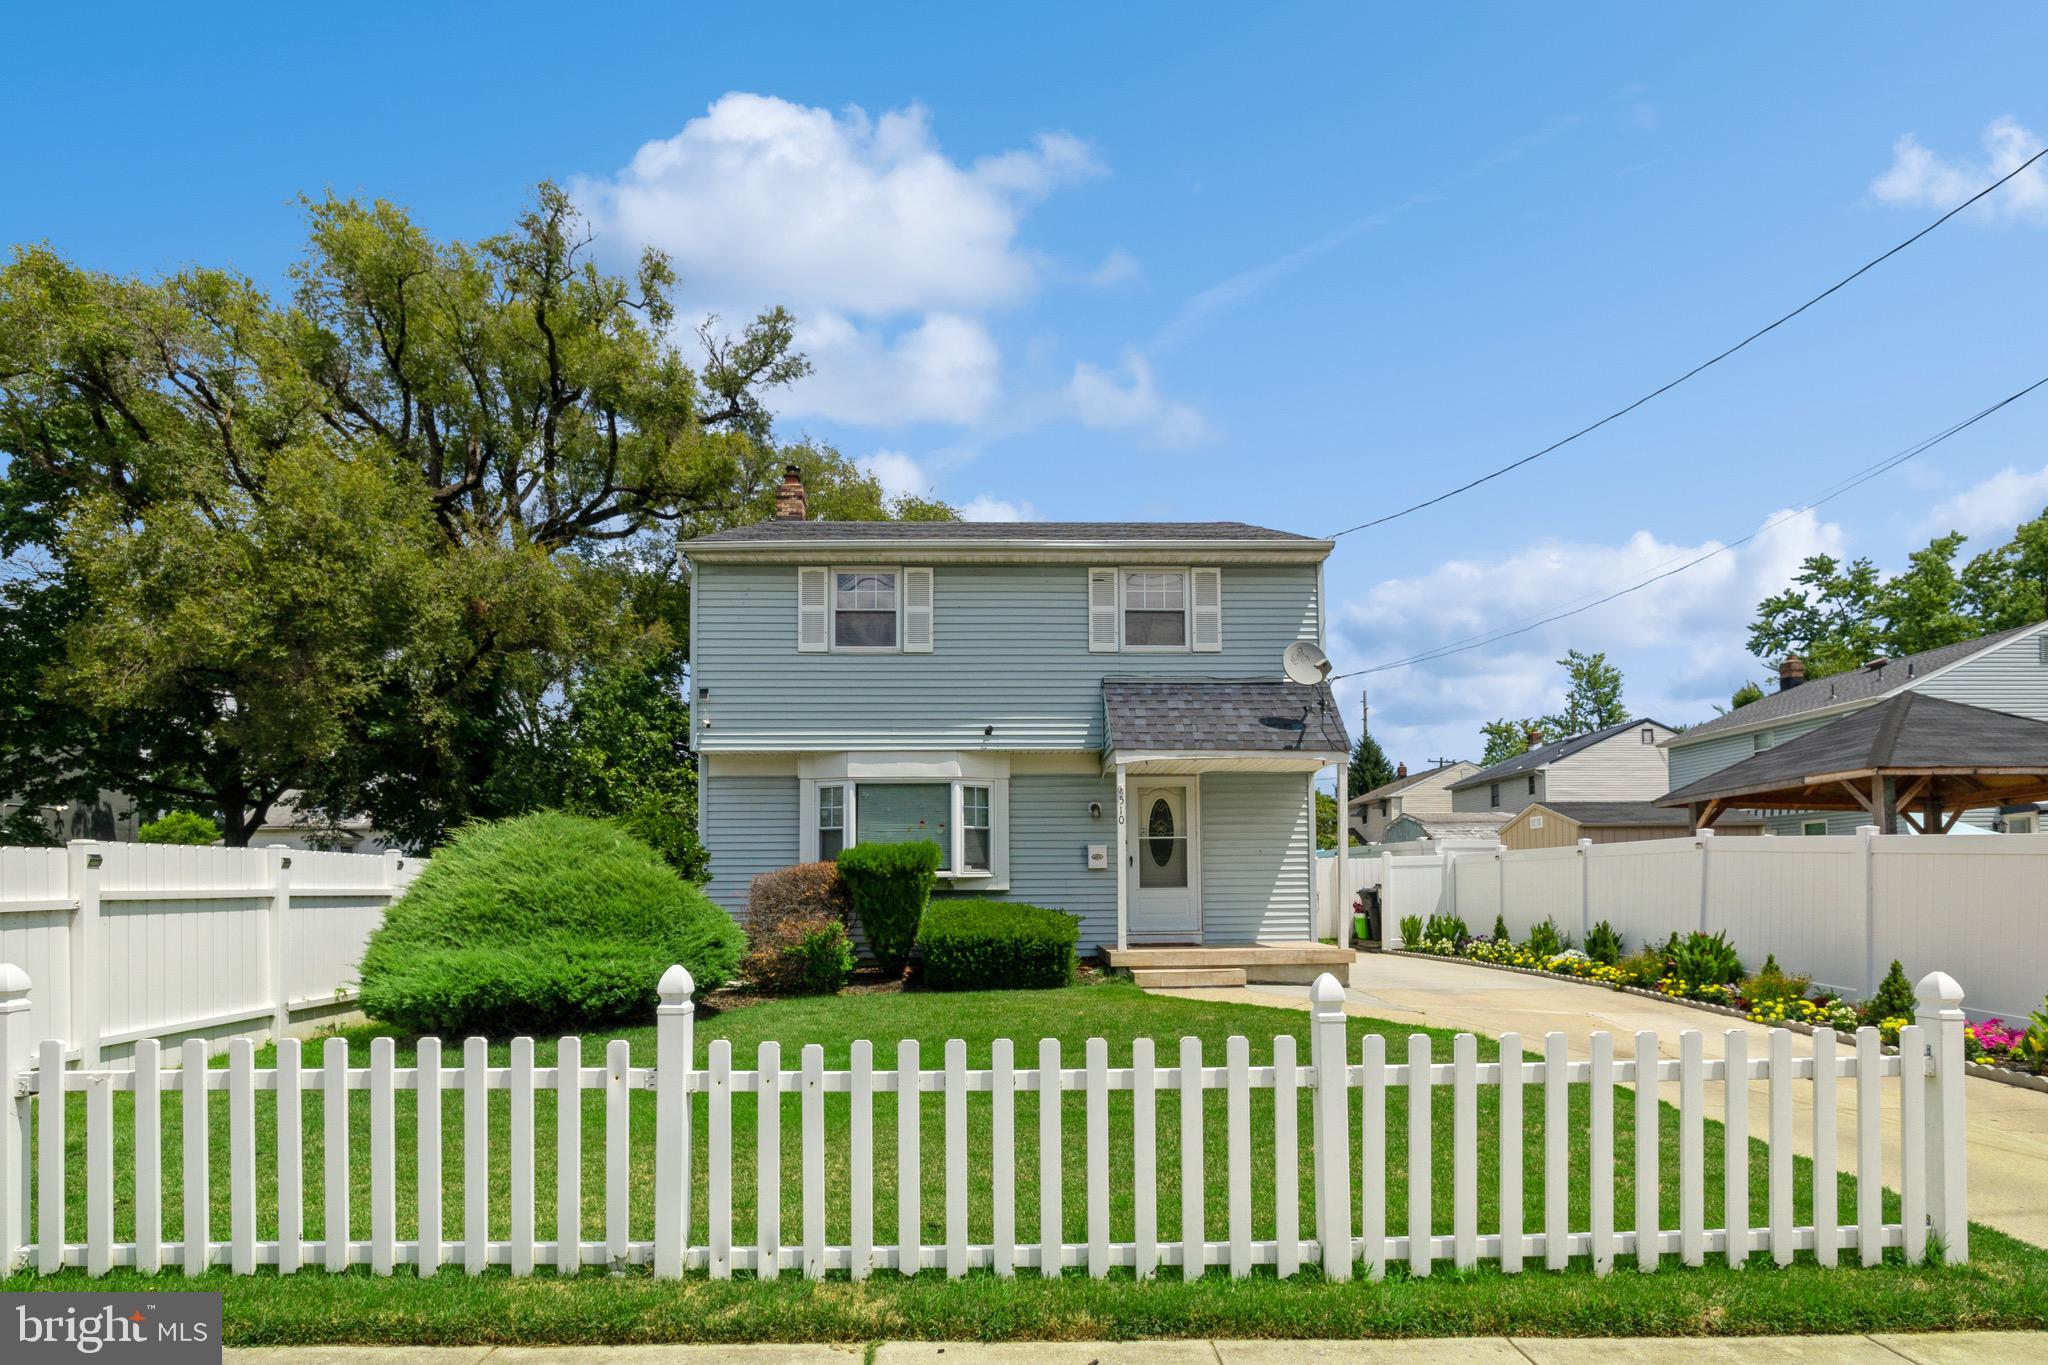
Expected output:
{"points": [[1704, 970]]}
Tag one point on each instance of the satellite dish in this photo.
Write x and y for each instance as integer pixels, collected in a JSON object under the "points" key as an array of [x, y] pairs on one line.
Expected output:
{"points": [[1305, 663]]}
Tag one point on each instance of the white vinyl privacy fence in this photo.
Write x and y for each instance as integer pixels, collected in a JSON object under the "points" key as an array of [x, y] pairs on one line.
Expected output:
{"points": [[134, 941], [1307, 1186], [1839, 908]]}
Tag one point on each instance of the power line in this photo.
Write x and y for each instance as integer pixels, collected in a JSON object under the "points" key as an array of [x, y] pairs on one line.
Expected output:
{"points": [[1855, 480], [1703, 365]]}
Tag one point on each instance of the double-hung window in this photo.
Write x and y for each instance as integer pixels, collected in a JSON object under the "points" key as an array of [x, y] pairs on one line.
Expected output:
{"points": [[1155, 607], [863, 609], [974, 828], [831, 820]]}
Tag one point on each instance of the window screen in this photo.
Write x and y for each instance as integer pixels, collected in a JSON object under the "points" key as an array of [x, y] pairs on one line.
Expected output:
{"points": [[903, 812], [864, 610], [1156, 610]]}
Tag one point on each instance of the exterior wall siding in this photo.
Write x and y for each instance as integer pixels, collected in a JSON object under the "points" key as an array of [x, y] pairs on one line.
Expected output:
{"points": [[2012, 678], [750, 827], [1619, 769], [1010, 650], [1258, 860], [1514, 794]]}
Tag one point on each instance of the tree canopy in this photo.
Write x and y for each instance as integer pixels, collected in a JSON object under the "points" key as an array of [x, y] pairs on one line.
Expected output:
{"points": [[1837, 616], [1592, 701], [1369, 767], [372, 543]]}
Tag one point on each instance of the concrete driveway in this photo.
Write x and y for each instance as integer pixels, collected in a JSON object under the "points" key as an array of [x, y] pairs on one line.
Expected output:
{"points": [[2008, 1126]]}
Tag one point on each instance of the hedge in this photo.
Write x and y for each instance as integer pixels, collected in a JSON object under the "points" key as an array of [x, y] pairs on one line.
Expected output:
{"points": [[974, 945], [543, 923], [890, 885]]}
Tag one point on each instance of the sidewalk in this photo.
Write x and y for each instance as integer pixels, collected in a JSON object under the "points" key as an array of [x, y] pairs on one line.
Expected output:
{"points": [[2008, 1126], [1960, 1348]]}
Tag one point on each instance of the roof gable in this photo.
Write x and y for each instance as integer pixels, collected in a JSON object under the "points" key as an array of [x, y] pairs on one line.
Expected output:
{"points": [[1551, 753]]}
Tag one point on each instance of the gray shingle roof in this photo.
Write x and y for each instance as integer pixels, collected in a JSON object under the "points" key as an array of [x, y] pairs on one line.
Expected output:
{"points": [[1550, 753], [1476, 824], [1401, 784], [1858, 684], [804, 532], [1222, 714], [1910, 732]]}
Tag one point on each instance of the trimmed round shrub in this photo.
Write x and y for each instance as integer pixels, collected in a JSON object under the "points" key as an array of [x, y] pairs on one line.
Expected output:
{"points": [[796, 930], [890, 885], [545, 922], [980, 945], [179, 827]]}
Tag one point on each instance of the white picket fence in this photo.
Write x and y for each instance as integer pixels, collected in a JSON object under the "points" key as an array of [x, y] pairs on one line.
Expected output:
{"points": [[1840, 908], [135, 941], [1349, 1183]]}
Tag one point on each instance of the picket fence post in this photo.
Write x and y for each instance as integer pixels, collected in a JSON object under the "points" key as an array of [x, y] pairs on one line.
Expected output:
{"points": [[1940, 1015], [674, 1027], [1333, 1127], [83, 865], [14, 1106]]}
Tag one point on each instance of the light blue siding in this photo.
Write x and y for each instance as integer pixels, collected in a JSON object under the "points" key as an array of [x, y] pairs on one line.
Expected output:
{"points": [[750, 827], [1010, 650], [1050, 830], [1257, 857], [1691, 762]]}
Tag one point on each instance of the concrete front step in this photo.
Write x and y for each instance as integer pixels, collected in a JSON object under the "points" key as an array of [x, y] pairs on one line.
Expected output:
{"points": [[1320, 955], [1183, 978]]}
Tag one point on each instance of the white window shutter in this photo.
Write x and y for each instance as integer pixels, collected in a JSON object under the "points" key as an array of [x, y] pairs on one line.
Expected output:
{"points": [[917, 611], [813, 588], [1102, 611], [1205, 589]]}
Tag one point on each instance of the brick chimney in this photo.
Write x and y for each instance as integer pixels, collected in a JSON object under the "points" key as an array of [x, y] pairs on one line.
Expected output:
{"points": [[1791, 673], [1401, 770], [789, 495]]}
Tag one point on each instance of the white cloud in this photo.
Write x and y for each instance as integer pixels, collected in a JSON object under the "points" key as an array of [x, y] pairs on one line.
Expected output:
{"points": [[1992, 509], [899, 474], [1679, 642], [762, 199], [1919, 177], [1119, 265], [946, 368], [982, 507], [1129, 399]]}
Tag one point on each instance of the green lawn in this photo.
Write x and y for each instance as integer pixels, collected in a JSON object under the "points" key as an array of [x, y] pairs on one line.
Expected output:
{"points": [[2006, 1285]]}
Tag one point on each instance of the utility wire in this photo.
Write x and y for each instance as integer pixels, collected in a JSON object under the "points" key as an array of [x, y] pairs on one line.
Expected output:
{"points": [[1866, 267], [1861, 477]]}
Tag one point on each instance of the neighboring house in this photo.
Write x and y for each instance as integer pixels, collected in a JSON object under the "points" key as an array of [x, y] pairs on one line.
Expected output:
{"points": [[1466, 827], [2006, 672], [286, 826], [1424, 793], [110, 819], [1561, 824], [1087, 716], [1621, 763]]}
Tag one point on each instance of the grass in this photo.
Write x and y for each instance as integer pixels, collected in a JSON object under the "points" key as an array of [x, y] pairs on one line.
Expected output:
{"points": [[2005, 1286]]}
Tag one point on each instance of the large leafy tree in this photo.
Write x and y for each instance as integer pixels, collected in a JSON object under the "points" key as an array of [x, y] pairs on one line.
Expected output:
{"points": [[1504, 739], [1592, 698], [363, 543], [1837, 616]]}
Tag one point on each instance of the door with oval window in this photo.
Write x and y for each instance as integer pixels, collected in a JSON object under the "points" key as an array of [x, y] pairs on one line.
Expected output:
{"points": [[1160, 863]]}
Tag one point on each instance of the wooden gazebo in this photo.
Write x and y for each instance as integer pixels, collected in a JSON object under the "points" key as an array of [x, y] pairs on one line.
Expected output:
{"points": [[1915, 756]]}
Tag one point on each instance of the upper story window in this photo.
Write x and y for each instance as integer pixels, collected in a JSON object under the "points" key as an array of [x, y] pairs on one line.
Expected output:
{"points": [[1493, 794], [1532, 784], [1649, 735], [863, 609], [1157, 610], [1385, 806]]}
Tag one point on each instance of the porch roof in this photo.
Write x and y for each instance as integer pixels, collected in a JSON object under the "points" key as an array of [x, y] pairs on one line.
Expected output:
{"points": [[1208, 723]]}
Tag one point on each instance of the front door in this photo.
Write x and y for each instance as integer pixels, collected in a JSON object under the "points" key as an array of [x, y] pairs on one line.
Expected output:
{"points": [[1164, 902]]}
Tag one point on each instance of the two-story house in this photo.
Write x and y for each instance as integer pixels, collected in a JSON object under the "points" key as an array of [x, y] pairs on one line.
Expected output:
{"points": [[1422, 794], [1087, 716], [1620, 763], [2005, 674]]}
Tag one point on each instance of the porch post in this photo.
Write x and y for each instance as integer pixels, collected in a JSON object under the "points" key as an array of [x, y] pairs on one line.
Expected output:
{"points": [[1123, 916]]}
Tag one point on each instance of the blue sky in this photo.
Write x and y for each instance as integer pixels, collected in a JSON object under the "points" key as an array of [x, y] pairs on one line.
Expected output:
{"points": [[1297, 267]]}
